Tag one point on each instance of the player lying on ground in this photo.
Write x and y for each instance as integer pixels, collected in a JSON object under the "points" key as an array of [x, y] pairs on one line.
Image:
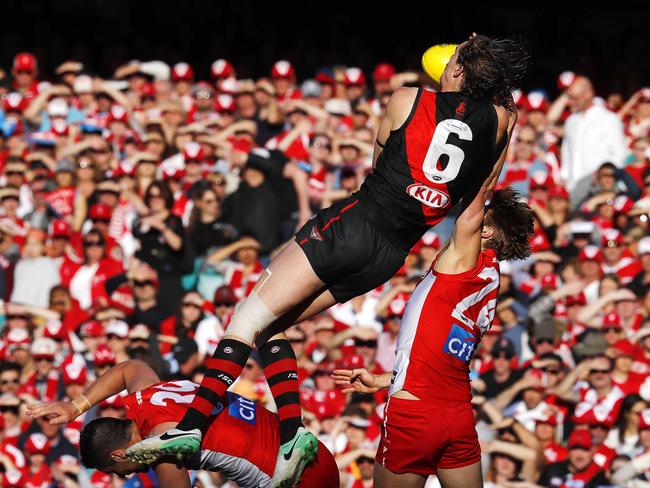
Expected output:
{"points": [[241, 442], [429, 424], [432, 150]]}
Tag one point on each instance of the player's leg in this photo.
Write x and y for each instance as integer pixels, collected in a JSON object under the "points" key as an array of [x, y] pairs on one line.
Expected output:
{"points": [[469, 476], [288, 283], [384, 478]]}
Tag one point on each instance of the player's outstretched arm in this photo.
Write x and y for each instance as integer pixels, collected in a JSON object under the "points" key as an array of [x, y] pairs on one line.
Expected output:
{"points": [[132, 375], [360, 380]]}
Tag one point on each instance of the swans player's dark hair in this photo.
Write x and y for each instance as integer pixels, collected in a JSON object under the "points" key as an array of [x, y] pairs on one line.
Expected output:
{"points": [[493, 68], [512, 222]]}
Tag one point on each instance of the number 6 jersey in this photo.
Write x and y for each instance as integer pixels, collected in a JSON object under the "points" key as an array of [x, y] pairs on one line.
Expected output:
{"points": [[444, 150]]}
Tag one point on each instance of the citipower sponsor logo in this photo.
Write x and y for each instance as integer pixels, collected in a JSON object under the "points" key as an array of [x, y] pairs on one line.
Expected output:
{"points": [[429, 196], [460, 344]]}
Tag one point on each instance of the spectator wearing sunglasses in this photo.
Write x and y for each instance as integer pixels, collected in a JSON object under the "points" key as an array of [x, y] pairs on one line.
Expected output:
{"points": [[161, 236], [9, 377], [85, 279]]}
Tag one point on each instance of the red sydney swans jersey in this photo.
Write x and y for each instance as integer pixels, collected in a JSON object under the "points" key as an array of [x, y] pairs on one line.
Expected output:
{"points": [[242, 442], [444, 321], [444, 150]]}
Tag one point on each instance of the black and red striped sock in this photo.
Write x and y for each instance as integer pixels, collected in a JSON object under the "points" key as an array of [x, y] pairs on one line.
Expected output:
{"points": [[280, 369], [224, 367]]}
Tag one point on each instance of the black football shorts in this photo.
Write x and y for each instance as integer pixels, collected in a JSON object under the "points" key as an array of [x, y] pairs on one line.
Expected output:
{"points": [[347, 251]]}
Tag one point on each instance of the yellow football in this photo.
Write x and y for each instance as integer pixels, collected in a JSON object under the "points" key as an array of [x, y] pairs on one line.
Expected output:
{"points": [[436, 58]]}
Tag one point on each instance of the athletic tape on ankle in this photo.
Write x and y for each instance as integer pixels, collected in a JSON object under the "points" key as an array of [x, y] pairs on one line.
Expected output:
{"points": [[82, 403], [250, 318]]}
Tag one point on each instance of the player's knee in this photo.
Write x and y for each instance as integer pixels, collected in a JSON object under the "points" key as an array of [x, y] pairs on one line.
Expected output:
{"points": [[250, 319]]}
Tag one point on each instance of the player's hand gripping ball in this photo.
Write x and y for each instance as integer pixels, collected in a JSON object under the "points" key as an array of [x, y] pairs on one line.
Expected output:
{"points": [[435, 59]]}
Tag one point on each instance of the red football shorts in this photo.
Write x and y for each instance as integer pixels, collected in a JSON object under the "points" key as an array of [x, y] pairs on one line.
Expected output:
{"points": [[420, 437], [322, 472]]}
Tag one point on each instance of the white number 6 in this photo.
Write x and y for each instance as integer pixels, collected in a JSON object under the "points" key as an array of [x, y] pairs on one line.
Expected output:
{"points": [[440, 146]]}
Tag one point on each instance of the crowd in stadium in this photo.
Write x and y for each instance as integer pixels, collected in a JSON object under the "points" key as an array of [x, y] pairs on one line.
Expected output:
{"points": [[137, 212]]}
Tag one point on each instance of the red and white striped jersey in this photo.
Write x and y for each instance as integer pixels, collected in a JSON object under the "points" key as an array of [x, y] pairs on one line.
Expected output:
{"points": [[444, 321]]}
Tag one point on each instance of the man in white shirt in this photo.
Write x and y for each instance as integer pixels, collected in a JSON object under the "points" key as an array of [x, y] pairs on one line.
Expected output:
{"points": [[592, 136]]}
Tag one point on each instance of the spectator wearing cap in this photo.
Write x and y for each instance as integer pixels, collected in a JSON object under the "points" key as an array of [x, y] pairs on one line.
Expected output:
{"points": [[38, 472], [203, 102], [224, 302], [160, 235], [622, 302], [610, 182], [617, 259], [502, 376], [24, 71], [117, 334], [283, 75], [355, 84], [10, 222], [86, 280], [578, 467], [33, 263], [546, 434], [381, 76], [59, 445], [635, 113], [45, 383], [182, 76], [592, 135], [514, 328], [624, 436]]}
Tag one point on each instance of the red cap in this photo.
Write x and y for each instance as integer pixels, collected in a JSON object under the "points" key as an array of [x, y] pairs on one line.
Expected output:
{"points": [[92, 328], [221, 69], [558, 191], [118, 114], [541, 179], [37, 444], [182, 71], [537, 101], [54, 330], [283, 69], [397, 305], [565, 79], [104, 355], [148, 90], [115, 401], [383, 72], [74, 371], [124, 169], [428, 239], [519, 98], [14, 102], [626, 348], [580, 438], [549, 419], [611, 238], [193, 151], [173, 174], [550, 280], [623, 204], [354, 77], [612, 320], [539, 242], [224, 103], [100, 211], [590, 253], [324, 77], [59, 228], [24, 62], [579, 299]]}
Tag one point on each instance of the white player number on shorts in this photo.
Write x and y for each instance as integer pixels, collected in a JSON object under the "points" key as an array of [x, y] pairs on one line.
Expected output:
{"points": [[172, 391], [440, 146]]}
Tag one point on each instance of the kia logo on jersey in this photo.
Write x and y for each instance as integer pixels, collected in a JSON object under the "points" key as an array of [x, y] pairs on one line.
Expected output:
{"points": [[460, 344], [428, 196]]}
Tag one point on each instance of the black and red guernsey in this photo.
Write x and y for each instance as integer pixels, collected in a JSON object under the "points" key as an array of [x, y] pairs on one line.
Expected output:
{"points": [[444, 150]]}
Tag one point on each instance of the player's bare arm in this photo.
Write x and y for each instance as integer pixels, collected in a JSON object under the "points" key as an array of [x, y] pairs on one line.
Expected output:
{"points": [[397, 111], [360, 380], [132, 375]]}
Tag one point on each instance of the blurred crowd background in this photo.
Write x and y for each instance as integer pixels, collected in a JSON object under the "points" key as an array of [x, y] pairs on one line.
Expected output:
{"points": [[141, 199]]}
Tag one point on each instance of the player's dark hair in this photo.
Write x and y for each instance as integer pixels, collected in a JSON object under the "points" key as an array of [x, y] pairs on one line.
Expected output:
{"points": [[512, 222], [493, 68], [100, 437]]}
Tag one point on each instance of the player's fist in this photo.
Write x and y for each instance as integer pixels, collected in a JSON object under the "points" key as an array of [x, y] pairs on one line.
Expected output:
{"points": [[55, 412], [360, 380]]}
